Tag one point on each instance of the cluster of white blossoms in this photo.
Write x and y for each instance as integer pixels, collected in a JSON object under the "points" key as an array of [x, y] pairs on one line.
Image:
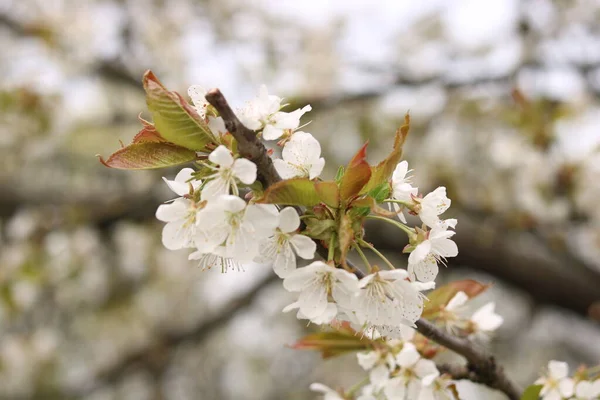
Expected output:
{"points": [[220, 215], [479, 325], [557, 385]]}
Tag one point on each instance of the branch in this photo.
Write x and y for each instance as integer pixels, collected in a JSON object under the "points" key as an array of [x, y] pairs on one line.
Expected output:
{"points": [[481, 365]]}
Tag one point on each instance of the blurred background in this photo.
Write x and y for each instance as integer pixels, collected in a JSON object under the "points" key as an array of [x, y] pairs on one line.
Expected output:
{"points": [[504, 97]]}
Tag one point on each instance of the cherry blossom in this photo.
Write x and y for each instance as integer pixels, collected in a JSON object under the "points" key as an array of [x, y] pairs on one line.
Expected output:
{"points": [[183, 182], [423, 260], [432, 206], [413, 369], [281, 248], [328, 393], [227, 174], [485, 320], [402, 189], [315, 282], [301, 157], [586, 390], [557, 384], [227, 220], [263, 113]]}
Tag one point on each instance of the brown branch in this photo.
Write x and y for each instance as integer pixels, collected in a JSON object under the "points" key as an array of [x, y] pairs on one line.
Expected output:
{"points": [[481, 367], [482, 364], [248, 144]]}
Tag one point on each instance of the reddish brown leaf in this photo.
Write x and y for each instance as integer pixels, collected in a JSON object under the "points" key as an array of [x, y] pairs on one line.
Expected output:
{"points": [[356, 175], [149, 155]]}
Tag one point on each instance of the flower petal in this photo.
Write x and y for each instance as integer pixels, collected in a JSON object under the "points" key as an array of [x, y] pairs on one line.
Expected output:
{"points": [[304, 246], [289, 220], [221, 156], [244, 170]]}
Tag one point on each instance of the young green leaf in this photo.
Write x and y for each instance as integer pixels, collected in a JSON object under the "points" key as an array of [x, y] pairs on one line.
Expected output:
{"points": [[175, 119], [356, 176], [383, 171], [380, 192], [332, 344], [339, 174], [532, 392], [149, 155], [293, 192], [328, 193]]}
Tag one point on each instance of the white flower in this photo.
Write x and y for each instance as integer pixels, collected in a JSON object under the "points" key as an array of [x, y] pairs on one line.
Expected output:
{"points": [[422, 261], [401, 188], [316, 282], [368, 360], [485, 320], [433, 205], [557, 384], [279, 248], [457, 301], [227, 174], [263, 113], [228, 221], [386, 300], [183, 182], [180, 214], [586, 390], [215, 258], [436, 389], [217, 126], [379, 377], [328, 393], [301, 157], [413, 370], [197, 93]]}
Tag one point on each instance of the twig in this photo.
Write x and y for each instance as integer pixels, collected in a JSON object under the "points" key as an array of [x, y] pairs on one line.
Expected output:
{"points": [[483, 365]]}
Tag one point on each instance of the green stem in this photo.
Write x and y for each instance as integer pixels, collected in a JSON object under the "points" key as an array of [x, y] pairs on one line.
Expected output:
{"points": [[374, 250], [363, 257], [356, 386], [409, 231], [401, 202], [331, 250]]}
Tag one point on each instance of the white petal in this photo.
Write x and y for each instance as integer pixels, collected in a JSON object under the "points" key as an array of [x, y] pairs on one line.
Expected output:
{"points": [[230, 203], [289, 220], [367, 360], [420, 252], [285, 262], [313, 301], [487, 320], [263, 218], [197, 93], [173, 211], [302, 149], [426, 368], [271, 133], [244, 170], [286, 170], [217, 126], [408, 356], [221, 156], [304, 246], [379, 376], [174, 235], [445, 248], [458, 300], [214, 188], [566, 387], [425, 270], [298, 279], [557, 369], [316, 168]]}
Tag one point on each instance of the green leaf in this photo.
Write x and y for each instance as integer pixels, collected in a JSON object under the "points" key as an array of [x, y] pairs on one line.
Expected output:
{"points": [[328, 193], [332, 344], [356, 176], [380, 192], [149, 155], [339, 174], [442, 295], [293, 192], [383, 171], [319, 228], [175, 119], [532, 392], [148, 134]]}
